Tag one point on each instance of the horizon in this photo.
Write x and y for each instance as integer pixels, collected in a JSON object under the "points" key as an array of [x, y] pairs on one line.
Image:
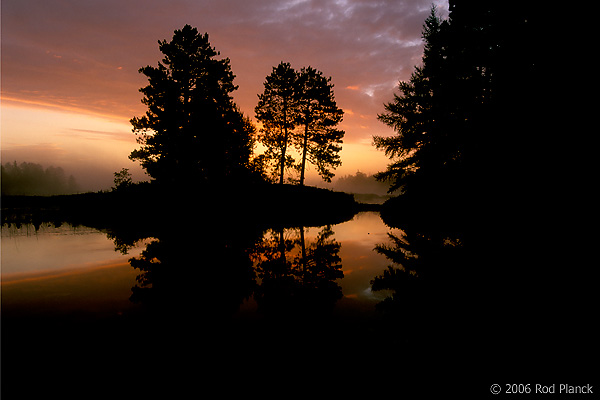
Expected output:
{"points": [[70, 82]]}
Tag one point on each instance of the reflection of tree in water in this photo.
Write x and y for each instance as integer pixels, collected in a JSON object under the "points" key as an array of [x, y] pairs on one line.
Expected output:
{"points": [[298, 278], [211, 271], [422, 280], [207, 271]]}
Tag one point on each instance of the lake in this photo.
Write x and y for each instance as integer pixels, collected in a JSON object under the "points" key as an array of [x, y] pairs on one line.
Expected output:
{"points": [[77, 271], [76, 296]]}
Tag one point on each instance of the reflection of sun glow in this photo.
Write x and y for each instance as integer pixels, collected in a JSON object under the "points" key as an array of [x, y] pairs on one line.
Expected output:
{"points": [[105, 288], [64, 273]]}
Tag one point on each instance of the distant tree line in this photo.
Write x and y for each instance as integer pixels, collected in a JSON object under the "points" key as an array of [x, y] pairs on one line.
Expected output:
{"points": [[30, 179], [361, 183], [194, 133]]}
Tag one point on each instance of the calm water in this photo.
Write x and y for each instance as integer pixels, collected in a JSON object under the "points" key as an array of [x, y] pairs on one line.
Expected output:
{"points": [[78, 271], [88, 308], [208, 302]]}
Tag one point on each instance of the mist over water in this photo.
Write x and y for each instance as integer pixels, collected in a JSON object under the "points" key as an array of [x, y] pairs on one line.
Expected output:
{"points": [[34, 180], [31, 178], [43, 179]]}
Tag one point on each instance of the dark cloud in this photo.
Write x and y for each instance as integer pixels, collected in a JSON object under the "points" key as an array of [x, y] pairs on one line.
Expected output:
{"points": [[85, 54]]}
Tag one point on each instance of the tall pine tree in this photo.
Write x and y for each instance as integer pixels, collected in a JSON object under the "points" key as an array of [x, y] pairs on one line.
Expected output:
{"points": [[192, 132], [320, 141], [298, 110], [277, 112], [423, 151]]}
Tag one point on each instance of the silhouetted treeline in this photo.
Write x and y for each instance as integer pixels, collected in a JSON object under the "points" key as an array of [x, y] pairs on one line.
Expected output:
{"points": [[30, 179], [361, 183], [193, 133], [481, 148], [464, 119], [146, 204]]}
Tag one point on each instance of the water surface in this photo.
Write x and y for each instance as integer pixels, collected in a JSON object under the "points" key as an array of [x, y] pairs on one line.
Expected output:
{"points": [[79, 270], [94, 306]]}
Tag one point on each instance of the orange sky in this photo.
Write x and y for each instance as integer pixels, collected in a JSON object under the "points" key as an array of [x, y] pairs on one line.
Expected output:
{"points": [[70, 81]]}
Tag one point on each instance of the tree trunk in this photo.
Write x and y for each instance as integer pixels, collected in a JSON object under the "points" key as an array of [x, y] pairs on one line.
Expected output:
{"points": [[283, 149], [285, 140], [304, 151]]}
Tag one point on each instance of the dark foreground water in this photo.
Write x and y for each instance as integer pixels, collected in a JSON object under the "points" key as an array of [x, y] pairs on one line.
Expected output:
{"points": [[209, 307], [205, 305]]}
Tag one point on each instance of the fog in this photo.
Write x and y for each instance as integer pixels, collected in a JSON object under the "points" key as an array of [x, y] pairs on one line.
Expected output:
{"points": [[31, 178], [45, 179], [35, 180], [361, 183]]}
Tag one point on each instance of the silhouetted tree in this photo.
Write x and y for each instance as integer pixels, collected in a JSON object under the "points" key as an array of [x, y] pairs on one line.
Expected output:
{"points": [[277, 111], [318, 116], [122, 179], [425, 117], [299, 108], [192, 130], [466, 107]]}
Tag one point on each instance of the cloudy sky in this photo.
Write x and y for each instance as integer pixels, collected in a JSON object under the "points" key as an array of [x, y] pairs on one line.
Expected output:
{"points": [[70, 76]]}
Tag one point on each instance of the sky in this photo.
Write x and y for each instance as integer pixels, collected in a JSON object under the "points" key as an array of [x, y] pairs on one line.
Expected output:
{"points": [[70, 81]]}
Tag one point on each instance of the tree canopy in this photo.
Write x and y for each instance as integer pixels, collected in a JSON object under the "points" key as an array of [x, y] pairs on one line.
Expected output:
{"points": [[451, 117], [277, 110], [320, 141], [298, 108], [192, 131], [427, 117]]}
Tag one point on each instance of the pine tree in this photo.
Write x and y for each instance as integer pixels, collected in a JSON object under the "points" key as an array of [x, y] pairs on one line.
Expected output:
{"points": [[319, 141], [277, 111], [298, 109], [192, 132], [417, 116]]}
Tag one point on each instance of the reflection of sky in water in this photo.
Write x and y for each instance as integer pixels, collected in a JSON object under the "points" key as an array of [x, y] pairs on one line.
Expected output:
{"points": [[80, 263], [360, 263], [63, 270], [52, 250]]}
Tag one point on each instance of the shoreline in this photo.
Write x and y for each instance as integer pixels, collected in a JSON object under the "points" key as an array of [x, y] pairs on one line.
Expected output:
{"points": [[143, 205]]}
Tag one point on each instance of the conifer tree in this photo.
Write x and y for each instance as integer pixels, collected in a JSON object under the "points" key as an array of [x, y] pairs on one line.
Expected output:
{"points": [[277, 111], [319, 141], [417, 115], [192, 132], [298, 109]]}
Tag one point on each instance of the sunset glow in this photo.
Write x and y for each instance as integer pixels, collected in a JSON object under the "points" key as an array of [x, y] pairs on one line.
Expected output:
{"points": [[298, 194], [70, 81]]}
